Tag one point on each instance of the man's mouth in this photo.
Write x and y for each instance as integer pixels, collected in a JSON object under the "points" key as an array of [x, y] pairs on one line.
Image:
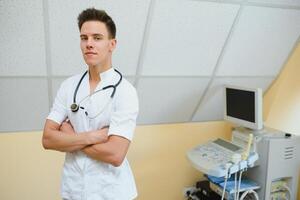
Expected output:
{"points": [[90, 53]]}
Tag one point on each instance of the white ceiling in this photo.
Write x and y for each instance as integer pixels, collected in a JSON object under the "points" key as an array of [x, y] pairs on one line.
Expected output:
{"points": [[186, 37], [261, 41], [177, 53]]}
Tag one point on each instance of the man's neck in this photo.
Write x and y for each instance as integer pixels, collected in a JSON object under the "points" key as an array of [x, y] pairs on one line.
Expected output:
{"points": [[95, 71]]}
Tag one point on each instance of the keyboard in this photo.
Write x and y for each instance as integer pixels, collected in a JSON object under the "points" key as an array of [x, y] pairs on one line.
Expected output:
{"points": [[211, 158]]}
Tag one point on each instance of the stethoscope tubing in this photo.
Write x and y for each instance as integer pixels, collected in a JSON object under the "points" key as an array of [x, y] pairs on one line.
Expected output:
{"points": [[75, 106]]}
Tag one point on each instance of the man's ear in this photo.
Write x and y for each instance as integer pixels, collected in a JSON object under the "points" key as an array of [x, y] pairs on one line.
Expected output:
{"points": [[113, 44]]}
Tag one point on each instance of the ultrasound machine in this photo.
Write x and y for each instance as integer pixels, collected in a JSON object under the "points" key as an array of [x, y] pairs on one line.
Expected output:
{"points": [[258, 162]]}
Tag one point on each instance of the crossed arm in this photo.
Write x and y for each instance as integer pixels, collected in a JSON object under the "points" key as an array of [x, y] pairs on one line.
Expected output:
{"points": [[96, 144]]}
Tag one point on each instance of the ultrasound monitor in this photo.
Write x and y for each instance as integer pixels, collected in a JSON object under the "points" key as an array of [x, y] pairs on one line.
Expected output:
{"points": [[243, 106]]}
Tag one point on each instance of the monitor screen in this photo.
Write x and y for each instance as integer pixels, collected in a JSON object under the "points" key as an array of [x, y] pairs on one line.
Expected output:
{"points": [[240, 104], [243, 106]]}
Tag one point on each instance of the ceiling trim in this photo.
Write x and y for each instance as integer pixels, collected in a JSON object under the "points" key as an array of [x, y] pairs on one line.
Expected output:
{"points": [[144, 43]]}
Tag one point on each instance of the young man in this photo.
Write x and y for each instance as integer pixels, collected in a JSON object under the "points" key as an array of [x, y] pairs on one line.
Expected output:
{"points": [[93, 119]]}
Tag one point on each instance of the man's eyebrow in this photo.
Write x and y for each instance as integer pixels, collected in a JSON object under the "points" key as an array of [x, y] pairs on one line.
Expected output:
{"points": [[98, 34], [95, 34]]}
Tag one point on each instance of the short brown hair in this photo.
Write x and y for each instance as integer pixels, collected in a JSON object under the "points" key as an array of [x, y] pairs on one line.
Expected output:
{"points": [[92, 14]]}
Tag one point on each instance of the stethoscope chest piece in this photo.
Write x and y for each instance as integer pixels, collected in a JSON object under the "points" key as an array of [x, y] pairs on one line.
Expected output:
{"points": [[74, 107]]}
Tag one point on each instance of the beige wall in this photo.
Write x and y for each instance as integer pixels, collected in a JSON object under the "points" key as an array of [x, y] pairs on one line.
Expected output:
{"points": [[27, 172], [282, 100], [158, 157]]}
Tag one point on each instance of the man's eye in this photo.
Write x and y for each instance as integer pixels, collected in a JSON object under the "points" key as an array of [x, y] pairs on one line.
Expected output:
{"points": [[97, 38], [83, 39]]}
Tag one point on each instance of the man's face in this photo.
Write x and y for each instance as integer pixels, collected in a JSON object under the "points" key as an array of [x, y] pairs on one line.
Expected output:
{"points": [[95, 44]]}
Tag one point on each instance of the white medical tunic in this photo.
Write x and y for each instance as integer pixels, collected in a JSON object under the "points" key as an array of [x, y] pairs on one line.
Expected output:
{"points": [[84, 178]]}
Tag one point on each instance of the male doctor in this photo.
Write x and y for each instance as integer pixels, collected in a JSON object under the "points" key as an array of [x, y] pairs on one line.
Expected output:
{"points": [[93, 125]]}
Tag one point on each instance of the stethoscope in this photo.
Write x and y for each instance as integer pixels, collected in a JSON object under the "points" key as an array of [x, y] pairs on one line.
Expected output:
{"points": [[75, 106]]}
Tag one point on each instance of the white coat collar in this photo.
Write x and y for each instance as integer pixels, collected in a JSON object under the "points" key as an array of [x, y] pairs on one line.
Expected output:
{"points": [[106, 74]]}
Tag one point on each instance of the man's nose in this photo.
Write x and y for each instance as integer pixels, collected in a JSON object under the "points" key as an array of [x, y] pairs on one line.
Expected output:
{"points": [[89, 43]]}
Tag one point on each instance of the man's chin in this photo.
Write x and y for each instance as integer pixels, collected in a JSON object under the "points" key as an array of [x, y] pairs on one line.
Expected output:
{"points": [[91, 64]]}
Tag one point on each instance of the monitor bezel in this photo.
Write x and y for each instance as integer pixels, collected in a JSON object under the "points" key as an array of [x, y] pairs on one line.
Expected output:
{"points": [[258, 104]]}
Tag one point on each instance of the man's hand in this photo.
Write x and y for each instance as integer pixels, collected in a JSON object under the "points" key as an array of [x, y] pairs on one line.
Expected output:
{"points": [[67, 127], [113, 151], [98, 136]]}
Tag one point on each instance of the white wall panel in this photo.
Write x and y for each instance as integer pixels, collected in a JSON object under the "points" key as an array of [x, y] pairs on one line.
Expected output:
{"points": [[129, 16], [24, 104], [22, 49], [186, 37], [261, 42], [168, 100], [212, 106], [56, 82]]}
